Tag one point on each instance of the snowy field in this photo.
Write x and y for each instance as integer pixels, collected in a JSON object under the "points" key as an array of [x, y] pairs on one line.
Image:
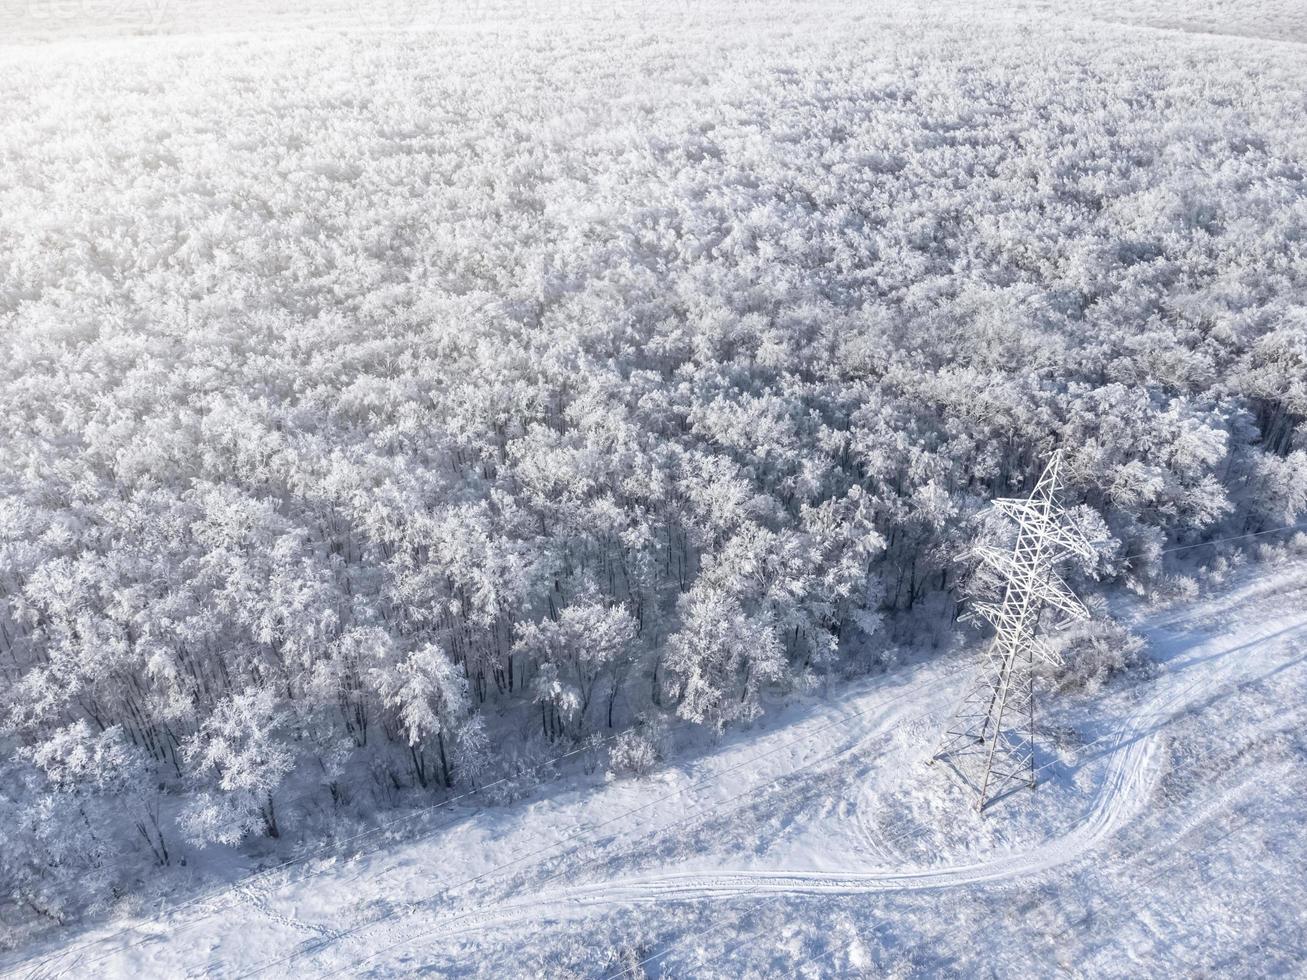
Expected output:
{"points": [[398, 395], [1164, 840]]}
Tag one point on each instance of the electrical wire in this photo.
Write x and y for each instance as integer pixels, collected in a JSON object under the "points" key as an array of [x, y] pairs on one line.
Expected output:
{"points": [[331, 850], [831, 949], [1301, 525], [843, 719], [337, 846]]}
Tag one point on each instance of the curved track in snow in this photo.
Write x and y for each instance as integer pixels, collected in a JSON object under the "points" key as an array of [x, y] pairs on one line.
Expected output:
{"points": [[797, 778], [1197, 671]]}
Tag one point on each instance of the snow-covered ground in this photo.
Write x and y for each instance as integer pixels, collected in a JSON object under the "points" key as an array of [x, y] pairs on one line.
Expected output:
{"points": [[1164, 840]]}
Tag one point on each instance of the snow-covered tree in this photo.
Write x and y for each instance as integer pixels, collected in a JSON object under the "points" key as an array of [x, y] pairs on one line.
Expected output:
{"points": [[239, 758], [356, 448], [429, 695]]}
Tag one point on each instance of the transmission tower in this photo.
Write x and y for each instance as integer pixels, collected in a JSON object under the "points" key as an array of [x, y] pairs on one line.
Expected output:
{"points": [[989, 742]]}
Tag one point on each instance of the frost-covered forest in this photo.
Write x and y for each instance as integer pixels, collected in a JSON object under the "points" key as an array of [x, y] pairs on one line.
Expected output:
{"points": [[381, 417]]}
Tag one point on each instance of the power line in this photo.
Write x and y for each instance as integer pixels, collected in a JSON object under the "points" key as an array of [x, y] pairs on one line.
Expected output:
{"points": [[753, 908], [336, 846], [833, 948], [1036, 771], [584, 831], [749, 792], [1301, 525], [1034, 774], [898, 837], [762, 886], [843, 719], [818, 957]]}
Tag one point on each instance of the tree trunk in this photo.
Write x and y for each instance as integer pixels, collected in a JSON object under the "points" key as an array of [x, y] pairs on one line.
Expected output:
{"points": [[444, 762]]}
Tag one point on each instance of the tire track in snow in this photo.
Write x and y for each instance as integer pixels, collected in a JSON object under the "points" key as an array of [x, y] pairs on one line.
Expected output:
{"points": [[1124, 790], [874, 720]]}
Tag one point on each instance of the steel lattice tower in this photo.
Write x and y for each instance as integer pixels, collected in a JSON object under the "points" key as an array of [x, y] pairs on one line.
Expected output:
{"points": [[990, 740]]}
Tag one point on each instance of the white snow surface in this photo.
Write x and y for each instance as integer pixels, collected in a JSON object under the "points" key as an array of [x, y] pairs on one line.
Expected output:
{"points": [[1162, 840]]}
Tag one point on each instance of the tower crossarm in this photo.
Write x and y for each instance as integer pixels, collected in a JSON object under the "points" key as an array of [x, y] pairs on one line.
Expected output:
{"points": [[1058, 594], [1006, 563], [993, 613], [1062, 537], [1043, 653]]}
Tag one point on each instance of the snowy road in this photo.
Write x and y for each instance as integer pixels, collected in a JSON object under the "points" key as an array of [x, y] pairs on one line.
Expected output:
{"points": [[820, 804]]}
